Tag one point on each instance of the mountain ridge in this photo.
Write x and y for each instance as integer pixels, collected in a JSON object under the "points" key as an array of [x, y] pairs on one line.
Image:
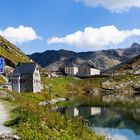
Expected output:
{"points": [[104, 59]]}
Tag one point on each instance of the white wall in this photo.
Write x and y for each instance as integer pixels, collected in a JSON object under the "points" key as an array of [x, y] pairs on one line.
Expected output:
{"points": [[72, 71], [75, 70], [36, 81], [76, 111], [94, 71], [95, 111]]}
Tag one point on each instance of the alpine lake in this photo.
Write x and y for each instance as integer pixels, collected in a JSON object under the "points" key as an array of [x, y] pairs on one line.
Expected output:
{"points": [[106, 115]]}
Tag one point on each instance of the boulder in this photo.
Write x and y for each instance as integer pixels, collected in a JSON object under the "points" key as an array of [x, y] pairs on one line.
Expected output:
{"points": [[9, 137], [53, 101]]}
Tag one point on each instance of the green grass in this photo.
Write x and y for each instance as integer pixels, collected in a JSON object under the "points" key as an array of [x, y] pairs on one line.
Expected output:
{"points": [[62, 86], [34, 122], [10, 52], [70, 86], [2, 81]]}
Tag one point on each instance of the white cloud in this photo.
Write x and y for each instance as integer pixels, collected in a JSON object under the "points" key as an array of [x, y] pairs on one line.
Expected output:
{"points": [[113, 5], [96, 38], [19, 35]]}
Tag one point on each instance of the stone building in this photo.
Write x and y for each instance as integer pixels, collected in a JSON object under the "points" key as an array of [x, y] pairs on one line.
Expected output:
{"points": [[26, 78], [87, 69]]}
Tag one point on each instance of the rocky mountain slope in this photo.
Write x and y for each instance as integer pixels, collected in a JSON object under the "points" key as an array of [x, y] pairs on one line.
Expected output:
{"points": [[11, 53], [131, 66], [104, 59]]}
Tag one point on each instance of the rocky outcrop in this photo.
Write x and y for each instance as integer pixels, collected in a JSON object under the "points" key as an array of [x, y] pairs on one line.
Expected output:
{"points": [[131, 66], [9, 137], [120, 98], [53, 101], [5, 94], [113, 85], [136, 87]]}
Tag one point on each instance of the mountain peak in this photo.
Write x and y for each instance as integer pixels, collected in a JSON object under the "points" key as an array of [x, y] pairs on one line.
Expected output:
{"points": [[135, 45], [101, 59]]}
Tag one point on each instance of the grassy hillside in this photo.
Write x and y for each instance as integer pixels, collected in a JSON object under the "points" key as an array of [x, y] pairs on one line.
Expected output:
{"points": [[11, 53], [2, 81], [72, 86], [64, 86]]}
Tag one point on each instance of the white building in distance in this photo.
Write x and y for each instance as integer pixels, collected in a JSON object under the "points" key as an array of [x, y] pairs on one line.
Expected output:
{"points": [[71, 70], [87, 69]]}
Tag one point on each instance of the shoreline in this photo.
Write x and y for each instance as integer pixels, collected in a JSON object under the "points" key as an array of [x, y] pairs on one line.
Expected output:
{"points": [[3, 118]]}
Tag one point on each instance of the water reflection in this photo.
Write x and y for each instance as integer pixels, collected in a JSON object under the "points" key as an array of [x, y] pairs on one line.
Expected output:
{"points": [[116, 134], [84, 111], [107, 119]]}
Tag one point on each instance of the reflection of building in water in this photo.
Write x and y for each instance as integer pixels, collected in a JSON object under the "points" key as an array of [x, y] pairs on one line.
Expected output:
{"points": [[84, 111], [76, 112], [105, 117], [95, 111]]}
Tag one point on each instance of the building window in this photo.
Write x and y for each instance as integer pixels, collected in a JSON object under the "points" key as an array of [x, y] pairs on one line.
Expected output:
{"points": [[15, 81]]}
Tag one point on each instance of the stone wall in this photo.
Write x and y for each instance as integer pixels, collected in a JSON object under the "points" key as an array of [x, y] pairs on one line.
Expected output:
{"points": [[26, 83]]}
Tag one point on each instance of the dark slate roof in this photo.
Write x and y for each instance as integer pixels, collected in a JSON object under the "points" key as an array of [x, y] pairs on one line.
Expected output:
{"points": [[71, 65], [24, 68], [90, 64]]}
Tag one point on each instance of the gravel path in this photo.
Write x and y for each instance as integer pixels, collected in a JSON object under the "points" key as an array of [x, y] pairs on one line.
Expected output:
{"points": [[3, 118]]}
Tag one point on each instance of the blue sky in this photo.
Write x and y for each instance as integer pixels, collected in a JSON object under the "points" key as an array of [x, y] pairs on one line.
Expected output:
{"points": [[78, 25]]}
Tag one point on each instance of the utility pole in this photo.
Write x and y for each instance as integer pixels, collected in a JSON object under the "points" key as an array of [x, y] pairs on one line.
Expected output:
{"points": [[50, 90]]}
